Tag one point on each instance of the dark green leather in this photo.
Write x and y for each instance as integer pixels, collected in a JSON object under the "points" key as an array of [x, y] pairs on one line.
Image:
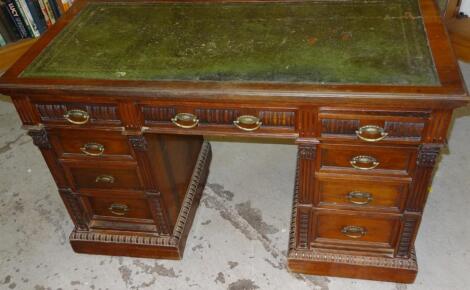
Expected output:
{"points": [[381, 42]]}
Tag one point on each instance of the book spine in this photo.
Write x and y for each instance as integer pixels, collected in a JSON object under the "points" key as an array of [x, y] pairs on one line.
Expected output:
{"points": [[65, 4], [4, 32], [28, 19], [49, 10], [2, 40], [55, 9], [16, 18], [44, 13], [10, 34], [36, 15]]}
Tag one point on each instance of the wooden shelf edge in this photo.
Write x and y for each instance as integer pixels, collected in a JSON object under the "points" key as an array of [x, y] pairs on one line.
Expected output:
{"points": [[10, 53]]}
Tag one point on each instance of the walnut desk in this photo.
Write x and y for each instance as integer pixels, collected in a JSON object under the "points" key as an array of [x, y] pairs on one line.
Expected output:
{"points": [[118, 96]]}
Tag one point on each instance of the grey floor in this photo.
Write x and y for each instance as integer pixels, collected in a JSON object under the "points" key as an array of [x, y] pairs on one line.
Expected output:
{"points": [[240, 233]]}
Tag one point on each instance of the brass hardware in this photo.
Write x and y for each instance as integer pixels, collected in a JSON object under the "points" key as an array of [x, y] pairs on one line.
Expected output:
{"points": [[354, 232], [93, 149], [253, 123], [104, 179], [118, 209], [188, 120], [76, 116], [363, 159], [371, 130], [359, 198]]}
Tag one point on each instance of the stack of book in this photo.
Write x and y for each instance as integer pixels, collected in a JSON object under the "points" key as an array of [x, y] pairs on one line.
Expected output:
{"points": [[21, 19]]}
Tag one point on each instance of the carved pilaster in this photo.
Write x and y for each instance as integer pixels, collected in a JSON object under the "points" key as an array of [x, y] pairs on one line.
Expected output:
{"points": [[307, 152], [428, 154], [407, 236], [40, 138], [138, 142], [158, 212], [306, 156], [307, 122], [426, 160], [303, 230], [75, 208]]}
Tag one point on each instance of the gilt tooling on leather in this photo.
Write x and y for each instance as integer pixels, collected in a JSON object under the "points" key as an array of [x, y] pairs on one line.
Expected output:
{"points": [[381, 42]]}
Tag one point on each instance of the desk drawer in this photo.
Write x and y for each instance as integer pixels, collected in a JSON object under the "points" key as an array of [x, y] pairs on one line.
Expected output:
{"points": [[119, 207], [230, 119], [361, 193], [78, 114], [361, 159], [119, 210], [103, 175], [90, 144], [355, 230], [372, 125]]}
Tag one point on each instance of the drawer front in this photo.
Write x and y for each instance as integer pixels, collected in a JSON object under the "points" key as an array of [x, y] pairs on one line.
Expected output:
{"points": [[78, 114], [236, 119], [111, 175], [86, 144], [372, 125], [367, 159], [355, 230], [119, 207], [361, 193]]}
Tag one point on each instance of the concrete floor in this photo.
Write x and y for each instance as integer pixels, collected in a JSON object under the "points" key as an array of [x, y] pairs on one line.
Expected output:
{"points": [[239, 237]]}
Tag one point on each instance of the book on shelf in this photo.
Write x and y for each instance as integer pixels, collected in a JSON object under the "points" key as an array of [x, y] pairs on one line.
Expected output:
{"points": [[16, 18], [2, 40], [7, 27]]}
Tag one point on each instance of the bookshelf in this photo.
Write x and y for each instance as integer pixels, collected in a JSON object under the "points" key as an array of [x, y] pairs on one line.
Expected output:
{"points": [[22, 22], [458, 26]]}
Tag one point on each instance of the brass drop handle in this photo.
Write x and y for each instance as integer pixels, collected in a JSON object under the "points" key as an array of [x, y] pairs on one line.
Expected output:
{"points": [[364, 162], [359, 198], [371, 130], [185, 120], [92, 149], [247, 123], [118, 209], [104, 179], [354, 232], [76, 116]]}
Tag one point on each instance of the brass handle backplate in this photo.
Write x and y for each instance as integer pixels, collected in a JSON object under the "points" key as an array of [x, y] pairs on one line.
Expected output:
{"points": [[354, 232], [185, 120], [118, 209], [247, 123], [366, 132], [359, 198], [364, 162], [93, 149], [76, 116], [104, 179]]}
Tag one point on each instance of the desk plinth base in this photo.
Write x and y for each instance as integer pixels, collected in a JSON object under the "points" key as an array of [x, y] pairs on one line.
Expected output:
{"points": [[116, 243], [331, 263]]}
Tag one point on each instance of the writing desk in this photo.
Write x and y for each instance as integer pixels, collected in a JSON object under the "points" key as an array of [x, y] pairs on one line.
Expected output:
{"points": [[118, 96]]}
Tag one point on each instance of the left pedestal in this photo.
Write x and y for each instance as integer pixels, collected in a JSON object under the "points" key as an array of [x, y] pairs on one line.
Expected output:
{"points": [[128, 195]]}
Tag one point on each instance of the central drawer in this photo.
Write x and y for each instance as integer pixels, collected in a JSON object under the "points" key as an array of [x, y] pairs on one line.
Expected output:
{"points": [[361, 159], [229, 119]]}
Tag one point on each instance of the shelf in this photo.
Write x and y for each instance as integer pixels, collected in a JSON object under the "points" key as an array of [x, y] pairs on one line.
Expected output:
{"points": [[11, 52]]}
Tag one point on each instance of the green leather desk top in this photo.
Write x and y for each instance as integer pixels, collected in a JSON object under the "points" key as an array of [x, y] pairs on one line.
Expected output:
{"points": [[358, 42]]}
